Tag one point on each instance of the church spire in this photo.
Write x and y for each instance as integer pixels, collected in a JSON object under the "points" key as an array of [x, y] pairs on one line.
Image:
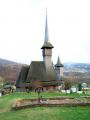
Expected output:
{"points": [[46, 30], [46, 44], [59, 64]]}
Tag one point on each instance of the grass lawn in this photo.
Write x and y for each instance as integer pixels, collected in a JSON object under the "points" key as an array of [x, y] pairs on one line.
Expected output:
{"points": [[41, 113]]}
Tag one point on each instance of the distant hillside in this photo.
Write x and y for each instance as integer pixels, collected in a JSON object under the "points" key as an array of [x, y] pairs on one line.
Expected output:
{"points": [[80, 71], [81, 66], [4, 62], [9, 70]]}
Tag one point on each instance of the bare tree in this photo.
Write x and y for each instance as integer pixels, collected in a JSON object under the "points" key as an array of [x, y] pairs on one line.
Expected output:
{"points": [[38, 86], [67, 84]]}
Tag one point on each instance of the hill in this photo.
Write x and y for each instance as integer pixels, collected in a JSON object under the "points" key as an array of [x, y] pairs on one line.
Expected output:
{"points": [[5, 62], [9, 70], [80, 67], [80, 71]]}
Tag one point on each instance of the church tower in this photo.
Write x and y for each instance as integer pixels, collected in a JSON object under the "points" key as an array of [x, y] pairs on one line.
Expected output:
{"points": [[41, 74], [47, 48], [59, 69]]}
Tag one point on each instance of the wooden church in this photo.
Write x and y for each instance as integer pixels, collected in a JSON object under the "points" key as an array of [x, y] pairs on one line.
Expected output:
{"points": [[41, 74]]}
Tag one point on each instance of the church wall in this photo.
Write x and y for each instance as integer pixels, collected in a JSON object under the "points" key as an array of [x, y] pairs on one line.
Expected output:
{"points": [[61, 71]]}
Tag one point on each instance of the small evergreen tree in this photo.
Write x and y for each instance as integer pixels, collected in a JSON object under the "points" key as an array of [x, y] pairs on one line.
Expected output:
{"points": [[79, 87]]}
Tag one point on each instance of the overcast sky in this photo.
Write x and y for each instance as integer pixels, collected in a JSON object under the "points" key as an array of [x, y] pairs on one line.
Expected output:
{"points": [[22, 27]]}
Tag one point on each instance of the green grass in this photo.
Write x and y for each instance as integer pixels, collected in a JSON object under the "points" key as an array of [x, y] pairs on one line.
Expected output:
{"points": [[41, 113]]}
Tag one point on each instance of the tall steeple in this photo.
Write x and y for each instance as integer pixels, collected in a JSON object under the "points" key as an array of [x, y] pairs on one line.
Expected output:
{"points": [[47, 47], [46, 44]]}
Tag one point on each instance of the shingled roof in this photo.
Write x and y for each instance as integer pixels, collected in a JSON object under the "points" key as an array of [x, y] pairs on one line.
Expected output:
{"points": [[22, 76], [47, 45], [37, 71]]}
